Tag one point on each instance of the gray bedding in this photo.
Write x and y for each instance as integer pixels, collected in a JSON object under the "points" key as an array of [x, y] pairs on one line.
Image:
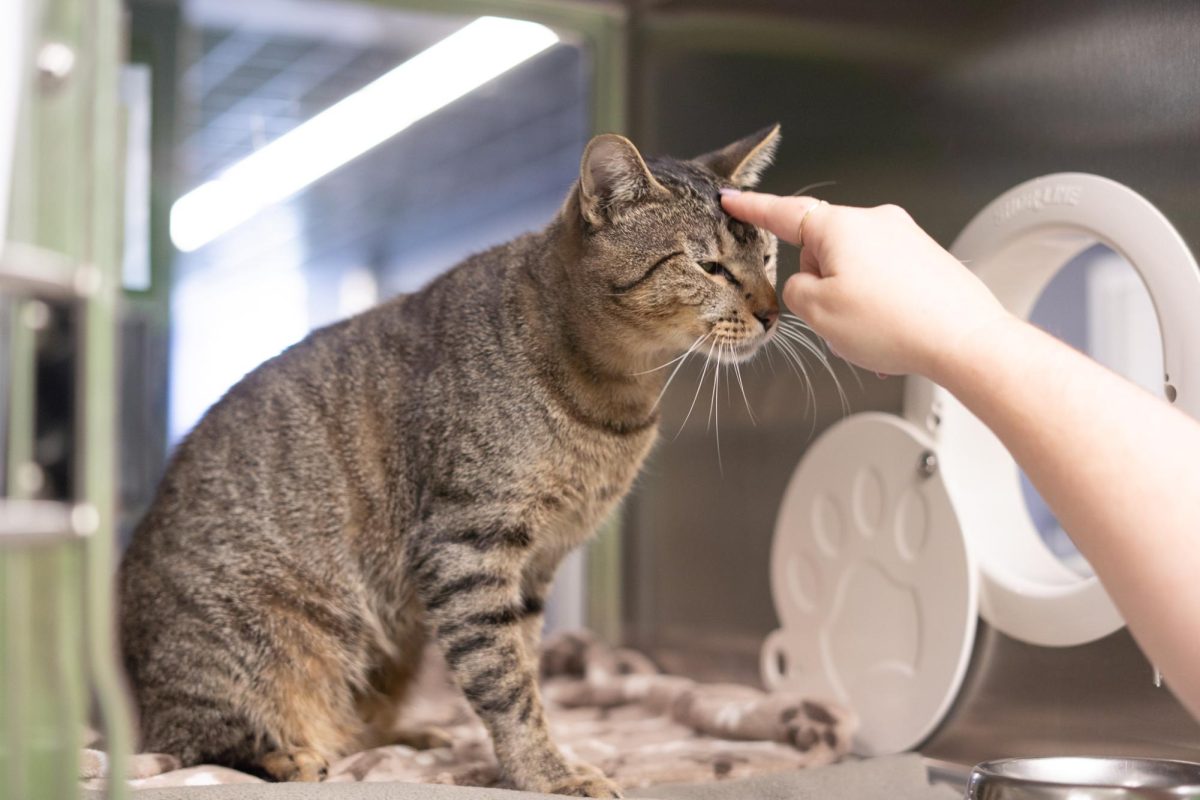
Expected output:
{"points": [[609, 708]]}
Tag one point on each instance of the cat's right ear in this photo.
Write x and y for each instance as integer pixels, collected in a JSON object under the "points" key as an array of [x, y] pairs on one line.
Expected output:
{"points": [[613, 176]]}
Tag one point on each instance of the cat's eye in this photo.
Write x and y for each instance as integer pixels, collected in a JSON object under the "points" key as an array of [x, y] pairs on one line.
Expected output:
{"points": [[714, 268]]}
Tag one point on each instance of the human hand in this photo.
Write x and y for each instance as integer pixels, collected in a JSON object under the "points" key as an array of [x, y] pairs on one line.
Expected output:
{"points": [[881, 292]]}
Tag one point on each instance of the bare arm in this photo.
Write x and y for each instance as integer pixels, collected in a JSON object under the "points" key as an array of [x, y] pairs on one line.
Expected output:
{"points": [[1119, 467]]}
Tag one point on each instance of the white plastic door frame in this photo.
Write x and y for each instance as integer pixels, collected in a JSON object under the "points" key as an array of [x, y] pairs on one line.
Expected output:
{"points": [[1016, 244]]}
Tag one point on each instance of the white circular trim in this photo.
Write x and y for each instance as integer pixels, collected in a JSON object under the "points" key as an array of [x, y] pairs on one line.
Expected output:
{"points": [[1016, 244]]}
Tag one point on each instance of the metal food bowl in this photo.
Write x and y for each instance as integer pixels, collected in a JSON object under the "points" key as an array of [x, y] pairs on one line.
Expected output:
{"points": [[1084, 779]]}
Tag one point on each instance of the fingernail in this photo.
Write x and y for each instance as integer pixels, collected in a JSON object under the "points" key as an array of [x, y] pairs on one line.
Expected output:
{"points": [[883, 376], [729, 191]]}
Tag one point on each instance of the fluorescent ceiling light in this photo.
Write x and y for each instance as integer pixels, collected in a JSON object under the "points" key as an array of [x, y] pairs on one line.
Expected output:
{"points": [[463, 61]]}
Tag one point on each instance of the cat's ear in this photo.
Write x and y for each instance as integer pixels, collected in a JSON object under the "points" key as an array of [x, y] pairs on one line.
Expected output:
{"points": [[612, 175], [742, 163]]}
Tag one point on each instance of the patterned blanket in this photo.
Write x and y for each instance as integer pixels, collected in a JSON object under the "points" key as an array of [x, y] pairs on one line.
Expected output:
{"points": [[608, 707]]}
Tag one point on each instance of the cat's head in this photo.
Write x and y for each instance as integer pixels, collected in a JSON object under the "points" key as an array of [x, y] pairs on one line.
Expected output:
{"points": [[661, 257]]}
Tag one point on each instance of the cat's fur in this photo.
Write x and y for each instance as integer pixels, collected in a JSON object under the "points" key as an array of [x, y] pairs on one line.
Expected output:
{"points": [[418, 471]]}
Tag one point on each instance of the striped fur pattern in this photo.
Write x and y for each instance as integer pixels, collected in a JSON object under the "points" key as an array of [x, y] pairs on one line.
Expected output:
{"points": [[416, 473]]}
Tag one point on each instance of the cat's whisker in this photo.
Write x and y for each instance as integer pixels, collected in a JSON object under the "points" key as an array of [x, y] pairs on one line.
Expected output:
{"points": [[791, 318], [675, 371], [796, 321], [716, 381], [854, 370], [717, 424], [807, 344], [699, 385], [795, 361], [811, 186], [793, 323], [778, 342], [801, 332], [716, 407], [788, 330], [837, 382], [741, 385], [679, 357]]}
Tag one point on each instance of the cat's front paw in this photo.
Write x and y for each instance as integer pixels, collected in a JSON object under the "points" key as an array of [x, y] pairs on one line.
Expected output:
{"points": [[301, 764], [587, 781]]}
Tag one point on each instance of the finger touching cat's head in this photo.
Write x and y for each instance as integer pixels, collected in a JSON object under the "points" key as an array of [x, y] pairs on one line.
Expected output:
{"points": [[662, 253]]}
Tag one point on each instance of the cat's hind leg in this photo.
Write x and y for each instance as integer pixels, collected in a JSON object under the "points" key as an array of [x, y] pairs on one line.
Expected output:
{"points": [[308, 714], [195, 721], [389, 686], [277, 726], [304, 692]]}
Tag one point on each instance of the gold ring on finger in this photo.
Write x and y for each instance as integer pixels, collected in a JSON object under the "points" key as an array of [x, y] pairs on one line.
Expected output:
{"points": [[800, 227]]}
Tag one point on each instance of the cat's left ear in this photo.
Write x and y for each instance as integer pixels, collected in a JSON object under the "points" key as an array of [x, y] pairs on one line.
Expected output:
{"points": [[742, 163], [613, 176]]}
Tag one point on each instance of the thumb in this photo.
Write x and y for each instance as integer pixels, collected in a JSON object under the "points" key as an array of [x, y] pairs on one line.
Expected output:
{"points": [[800, 294], [780, 215]]}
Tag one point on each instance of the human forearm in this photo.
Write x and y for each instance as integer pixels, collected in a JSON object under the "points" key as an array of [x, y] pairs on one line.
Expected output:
{"points": [[1120, 469]]}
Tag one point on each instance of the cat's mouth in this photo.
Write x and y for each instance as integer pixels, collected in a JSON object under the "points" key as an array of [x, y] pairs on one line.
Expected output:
{"points": [[738, 351]]}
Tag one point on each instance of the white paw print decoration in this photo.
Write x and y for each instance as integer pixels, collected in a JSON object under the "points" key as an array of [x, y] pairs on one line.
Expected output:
{"points": [[873, 583]]}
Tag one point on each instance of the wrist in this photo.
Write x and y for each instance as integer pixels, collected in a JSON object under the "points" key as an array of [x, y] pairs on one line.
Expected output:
{"points": [[973, 349]]}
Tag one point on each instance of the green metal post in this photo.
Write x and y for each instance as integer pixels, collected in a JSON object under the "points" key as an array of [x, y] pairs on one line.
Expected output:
{"points": [[100, 393], [62, 243]]}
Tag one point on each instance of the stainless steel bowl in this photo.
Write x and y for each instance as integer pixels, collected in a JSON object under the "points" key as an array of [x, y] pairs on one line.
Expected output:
{"points": [[1084, 779]]}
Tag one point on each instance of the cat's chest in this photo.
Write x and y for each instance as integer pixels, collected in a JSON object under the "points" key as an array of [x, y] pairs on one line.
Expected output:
{"points": [[581, 480]]}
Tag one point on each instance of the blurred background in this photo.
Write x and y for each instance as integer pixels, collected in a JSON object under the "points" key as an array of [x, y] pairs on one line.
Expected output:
{"points": [[937, 105]]}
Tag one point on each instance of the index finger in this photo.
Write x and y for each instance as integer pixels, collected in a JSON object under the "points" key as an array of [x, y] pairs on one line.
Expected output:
{"points": [[780, 215]]}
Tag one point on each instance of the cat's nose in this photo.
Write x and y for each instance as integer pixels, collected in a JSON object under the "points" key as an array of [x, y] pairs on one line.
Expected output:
{"points": [[767, 319]]}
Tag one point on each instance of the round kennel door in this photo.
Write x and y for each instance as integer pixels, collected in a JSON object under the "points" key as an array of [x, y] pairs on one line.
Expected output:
{"points": [[873, 583], [1016, 245]]}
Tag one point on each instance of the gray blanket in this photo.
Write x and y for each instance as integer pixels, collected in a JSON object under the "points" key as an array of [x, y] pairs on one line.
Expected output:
{"points": [[607, 707]]}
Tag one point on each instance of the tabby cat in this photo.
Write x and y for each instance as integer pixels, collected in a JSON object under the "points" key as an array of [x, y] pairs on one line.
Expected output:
{"points": [[418, 472]]}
